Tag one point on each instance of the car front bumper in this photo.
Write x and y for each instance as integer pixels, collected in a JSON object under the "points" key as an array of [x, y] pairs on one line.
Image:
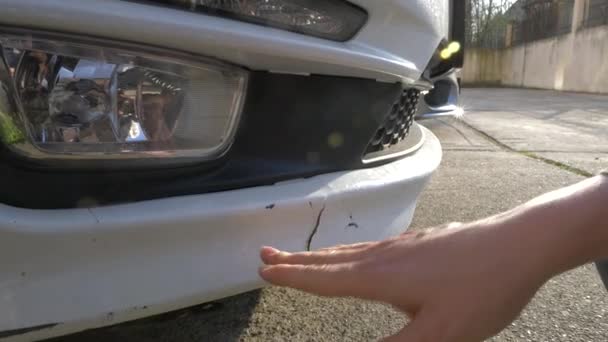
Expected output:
{"points": [[69, 270]]}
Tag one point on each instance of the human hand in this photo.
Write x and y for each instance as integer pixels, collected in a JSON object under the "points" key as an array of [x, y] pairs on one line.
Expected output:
{"points": [[464, 283]]}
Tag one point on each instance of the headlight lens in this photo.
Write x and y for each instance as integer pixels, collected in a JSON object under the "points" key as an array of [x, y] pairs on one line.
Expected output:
{"points": [[330, 19], [78, 101]]}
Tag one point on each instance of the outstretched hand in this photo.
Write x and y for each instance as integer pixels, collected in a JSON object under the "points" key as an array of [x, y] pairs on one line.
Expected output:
{"points": [[463, 283]]}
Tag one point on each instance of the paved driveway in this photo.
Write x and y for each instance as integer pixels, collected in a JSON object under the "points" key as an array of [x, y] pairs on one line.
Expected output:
{"points": [[512, 145]]}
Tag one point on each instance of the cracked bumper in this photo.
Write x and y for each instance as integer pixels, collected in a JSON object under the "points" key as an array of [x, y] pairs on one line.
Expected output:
{"points": [[70, 270]]}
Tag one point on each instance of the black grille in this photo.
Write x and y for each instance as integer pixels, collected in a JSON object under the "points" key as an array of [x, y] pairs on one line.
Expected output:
{"points": [[396, 126]]}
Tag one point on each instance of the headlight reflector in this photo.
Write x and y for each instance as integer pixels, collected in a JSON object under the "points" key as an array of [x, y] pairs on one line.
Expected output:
{"points": [[79, 101]]}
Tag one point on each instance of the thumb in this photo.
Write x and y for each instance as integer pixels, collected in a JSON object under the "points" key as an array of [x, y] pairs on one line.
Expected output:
{"points": [[419, 330]]}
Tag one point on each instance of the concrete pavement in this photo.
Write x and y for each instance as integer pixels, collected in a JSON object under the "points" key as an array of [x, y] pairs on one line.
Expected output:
{"points": [[486, 169], [566, 127]]}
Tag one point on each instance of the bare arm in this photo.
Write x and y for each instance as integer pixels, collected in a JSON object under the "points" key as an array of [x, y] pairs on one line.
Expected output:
{"points": [[468, 282], [569, 226]]}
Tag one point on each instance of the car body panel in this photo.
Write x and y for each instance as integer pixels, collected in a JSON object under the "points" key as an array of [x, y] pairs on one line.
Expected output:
{"points": [[374, 52]]}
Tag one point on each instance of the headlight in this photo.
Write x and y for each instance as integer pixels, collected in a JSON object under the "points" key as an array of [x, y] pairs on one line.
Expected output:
{"points": [[80, 101], [330, 19]]}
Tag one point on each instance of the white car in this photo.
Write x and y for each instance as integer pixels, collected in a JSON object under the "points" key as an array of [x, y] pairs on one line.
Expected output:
{"points": [[150, 148]]}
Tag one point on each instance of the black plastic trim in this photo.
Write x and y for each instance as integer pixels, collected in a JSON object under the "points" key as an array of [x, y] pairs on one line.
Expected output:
{"points": [[291, 127], [410, 144], [396, 127], [458, 31]]}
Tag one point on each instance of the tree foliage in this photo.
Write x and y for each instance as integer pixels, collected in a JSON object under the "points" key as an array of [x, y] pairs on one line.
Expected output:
{"points": [[486, 22]]}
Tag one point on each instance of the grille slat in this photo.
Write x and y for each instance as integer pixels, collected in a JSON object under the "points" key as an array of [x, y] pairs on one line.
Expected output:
{"points": [[397, 124]]}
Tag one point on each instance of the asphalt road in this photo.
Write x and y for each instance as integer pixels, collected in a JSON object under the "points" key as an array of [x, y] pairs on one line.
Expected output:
{"points": [[512, 145]]}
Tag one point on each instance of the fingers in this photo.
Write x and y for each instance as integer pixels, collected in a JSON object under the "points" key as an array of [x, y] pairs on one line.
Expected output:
{"points": [[337, 280], [341, 254], [347, 247]]}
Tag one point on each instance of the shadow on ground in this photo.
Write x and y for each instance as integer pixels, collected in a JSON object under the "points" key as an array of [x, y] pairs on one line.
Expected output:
{"points": [[224, 320]]}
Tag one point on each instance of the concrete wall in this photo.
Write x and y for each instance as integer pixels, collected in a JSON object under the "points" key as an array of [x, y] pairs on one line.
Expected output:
{"points": [[483, 66], [588, 70], [513, 66], [573, 62]]}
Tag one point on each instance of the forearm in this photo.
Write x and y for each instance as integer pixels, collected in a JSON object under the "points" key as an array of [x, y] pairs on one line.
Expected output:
{"points": [[563, 229]]}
